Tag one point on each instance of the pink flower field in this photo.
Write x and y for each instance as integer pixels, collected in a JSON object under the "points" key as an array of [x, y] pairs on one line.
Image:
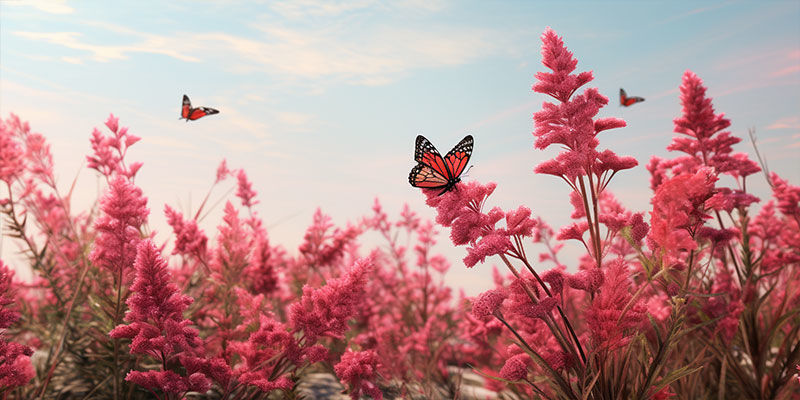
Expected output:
{"points": [[696, 297]]}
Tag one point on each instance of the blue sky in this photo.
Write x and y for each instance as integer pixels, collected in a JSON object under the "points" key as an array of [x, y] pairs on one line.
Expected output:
{"points": [[321, 101]]}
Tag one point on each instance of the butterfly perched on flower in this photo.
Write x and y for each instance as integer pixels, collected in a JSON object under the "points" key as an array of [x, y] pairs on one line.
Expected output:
{"points": [[436, 172], [626, 101], [191, 114]]}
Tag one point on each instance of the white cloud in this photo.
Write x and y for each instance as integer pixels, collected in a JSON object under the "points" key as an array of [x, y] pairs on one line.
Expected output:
{"points": [[48, 6], [103, 53], [369, 59]]}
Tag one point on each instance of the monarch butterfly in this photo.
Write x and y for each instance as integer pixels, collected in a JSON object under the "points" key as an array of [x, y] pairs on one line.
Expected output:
{"points": [[626, 101], [189, 113], [436, 172]]}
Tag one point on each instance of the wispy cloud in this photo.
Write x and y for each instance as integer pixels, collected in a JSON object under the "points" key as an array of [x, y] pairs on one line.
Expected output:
{"points": [[371, 59], [48, 6], [104, 53], [785, 123]]}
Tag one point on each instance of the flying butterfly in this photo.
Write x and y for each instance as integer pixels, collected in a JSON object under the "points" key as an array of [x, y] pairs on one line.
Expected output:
{"points": [[436, 172], [626, 101], [191, 114]]}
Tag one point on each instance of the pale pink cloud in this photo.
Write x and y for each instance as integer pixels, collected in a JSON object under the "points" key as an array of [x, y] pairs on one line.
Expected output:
{"points": [[785, 123], [792, 69]]}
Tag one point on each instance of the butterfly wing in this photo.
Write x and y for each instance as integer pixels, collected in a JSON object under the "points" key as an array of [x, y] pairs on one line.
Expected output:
{"points": [[626, 101], [200, 112], [436, 172], [186, 107], [423, 176], [634, 100], [457, 158]]}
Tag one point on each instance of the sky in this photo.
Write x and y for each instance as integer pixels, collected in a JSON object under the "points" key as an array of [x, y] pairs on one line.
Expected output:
{"points": [[320, 101]]}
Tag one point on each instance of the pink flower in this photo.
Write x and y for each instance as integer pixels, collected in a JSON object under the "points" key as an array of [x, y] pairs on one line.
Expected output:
{"points": [[244, 189], [124, 211], [109, 151], [516, 367], [359, 370], [610, 328], [12, 160], [571, 123], [325, 311], [788, 196], [679, 211], [157, 327], [589, 280], [488, 303], [222, 171], [261, 354], [15, 359], [189, 239]]}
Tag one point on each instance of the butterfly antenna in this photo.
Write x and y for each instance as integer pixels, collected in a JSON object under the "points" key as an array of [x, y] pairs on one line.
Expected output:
{"points": [[466, 173]]}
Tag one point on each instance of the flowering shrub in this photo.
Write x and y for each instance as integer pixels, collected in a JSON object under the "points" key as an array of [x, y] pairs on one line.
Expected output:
{"points": [[699, 297]]}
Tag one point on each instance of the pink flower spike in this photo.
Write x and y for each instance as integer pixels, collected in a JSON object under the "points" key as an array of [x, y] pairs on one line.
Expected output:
{"points": [[244, 190], [560, 83], [124, 212], [112, 123], [222, 171], [359, 371], [12, 161], [488, 303], [325, 311], [516, 367]]}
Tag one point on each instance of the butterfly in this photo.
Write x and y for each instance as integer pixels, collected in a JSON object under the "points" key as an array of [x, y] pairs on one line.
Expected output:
{"points": [[626, 101], [189, 113], [436, 172]]}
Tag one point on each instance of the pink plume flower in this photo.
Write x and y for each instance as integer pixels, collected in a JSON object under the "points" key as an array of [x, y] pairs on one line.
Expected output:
{"points": [[516, 367], [610, 328], [244, 189], [222, 171], [325, 311], [15, 359], [488, 303], [109, 151], [189, 239], [359, 370], [157, 327], [571, 122], [12, 155], [589, 280], [788, 196], [124, 211], [561, 83], [679, 211]]}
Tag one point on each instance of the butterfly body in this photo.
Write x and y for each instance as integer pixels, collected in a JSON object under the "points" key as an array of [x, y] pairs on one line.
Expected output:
{"points": [[626, 101], [190, 113], [436, 172]]}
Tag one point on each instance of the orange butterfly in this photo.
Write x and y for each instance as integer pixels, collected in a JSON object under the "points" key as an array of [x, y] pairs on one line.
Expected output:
{"points": [[436, 172], [626, 101], [189, 113]]}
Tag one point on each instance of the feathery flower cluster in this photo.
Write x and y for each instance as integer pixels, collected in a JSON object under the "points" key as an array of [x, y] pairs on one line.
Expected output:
{"points": [[488, 303], [788, 196], [12, 155], [189, 239], [461, 210], [325, 311], [157, 327], [15, 359], [571, 123], [124, 211], [244, 189], [109, 151], [359, 369], [679, 206], [610, 318]]}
